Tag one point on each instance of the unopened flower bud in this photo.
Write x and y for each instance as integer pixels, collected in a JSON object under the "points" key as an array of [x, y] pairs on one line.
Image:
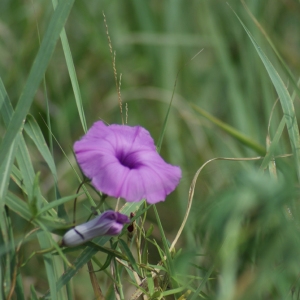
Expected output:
{"points": [[108, 223]]}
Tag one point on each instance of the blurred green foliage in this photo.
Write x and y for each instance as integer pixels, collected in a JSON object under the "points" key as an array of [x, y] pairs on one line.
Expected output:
{"points": [[240, 220], [254, 228]]}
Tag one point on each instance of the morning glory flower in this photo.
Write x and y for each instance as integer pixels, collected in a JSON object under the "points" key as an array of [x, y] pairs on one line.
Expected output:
{"points": [[122, 161], [108, 223]]}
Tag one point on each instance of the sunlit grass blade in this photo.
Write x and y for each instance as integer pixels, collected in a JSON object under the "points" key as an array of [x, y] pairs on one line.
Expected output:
{"points": [[72, 74], [285, 100], [245, 140], [33, 130], [36, 74]]}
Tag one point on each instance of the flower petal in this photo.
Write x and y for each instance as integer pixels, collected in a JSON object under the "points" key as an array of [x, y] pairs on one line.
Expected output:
{"points": [[122, 162]]}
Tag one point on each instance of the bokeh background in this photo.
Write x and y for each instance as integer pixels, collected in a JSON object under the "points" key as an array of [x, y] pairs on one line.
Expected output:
{"points": [[154, 42]]}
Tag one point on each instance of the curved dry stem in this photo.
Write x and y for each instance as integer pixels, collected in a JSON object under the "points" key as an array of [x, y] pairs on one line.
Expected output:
{"points": [[192, 189], [194, 181]]}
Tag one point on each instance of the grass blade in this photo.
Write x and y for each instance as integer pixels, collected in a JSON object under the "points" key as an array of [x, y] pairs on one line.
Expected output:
{"points": [[5, 169], [34, 132], [57, 202], [285, 100], [36, 74], [130, 256], [232, 131], [72, 73], [45, 242], [268, 39]]}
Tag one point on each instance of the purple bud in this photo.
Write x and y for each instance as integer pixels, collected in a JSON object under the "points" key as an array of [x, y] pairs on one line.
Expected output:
{"points": [[108, 223]]}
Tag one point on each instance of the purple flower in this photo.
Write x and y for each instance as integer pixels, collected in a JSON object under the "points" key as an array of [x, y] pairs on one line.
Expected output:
{"points": [[122, 161], [108, 223]]}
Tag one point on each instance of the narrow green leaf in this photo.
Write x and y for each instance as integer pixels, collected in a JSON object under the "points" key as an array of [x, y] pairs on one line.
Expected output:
{"points": [[19, 289], [21, 208], [26, 169], [269, 40], [202, 283], [165, 243], [25, 178], [6, 166], [33, 293], [6, 269], [14, 261], [285, 100], [18, 206], [6, 107], [164, 127], [275, 140], [45, 242], [274, 144], [130, 256], [232, 131], [36, 74], [107, 262], [57, 202], [34, 132], [173, 291], [72, 74], [150, 282], [5, 171], [106, 250], [33, 202], [22, 155], [18, 179]]}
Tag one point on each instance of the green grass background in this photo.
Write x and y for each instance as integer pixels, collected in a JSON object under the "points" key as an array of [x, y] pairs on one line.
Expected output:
{"points": [[154, 40]]}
